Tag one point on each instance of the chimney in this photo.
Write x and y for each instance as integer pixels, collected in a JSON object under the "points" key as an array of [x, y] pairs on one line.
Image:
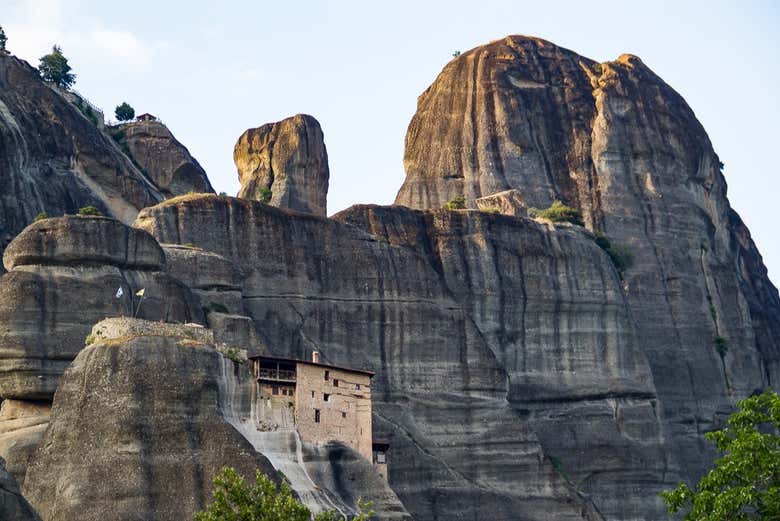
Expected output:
{"points": [[315, 357]]}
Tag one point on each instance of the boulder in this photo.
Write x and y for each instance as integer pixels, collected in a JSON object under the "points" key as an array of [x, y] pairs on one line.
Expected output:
{"points": [[613, 140], [67, 274], [163, 159], [145, 437], [22, 424], [287, 158]]}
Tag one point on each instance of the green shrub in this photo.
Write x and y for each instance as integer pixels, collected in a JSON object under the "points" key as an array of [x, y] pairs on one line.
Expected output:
{"points": [[223, 194], [621, 257], [721, 345], [90, 210], [557, 465], [713, 312], [233, 354], [41, 216], [217, 307], [89, 340], [456, 203], [264, 195], [558, 212]]}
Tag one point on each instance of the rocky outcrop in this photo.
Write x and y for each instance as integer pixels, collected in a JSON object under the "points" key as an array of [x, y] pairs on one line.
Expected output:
{"points": [[54, 159], [508, 202], [160, 156], [485, 331], [288, 160], [615, 141], [22, 425], [12, 504], [64, 275], [144, 439]]}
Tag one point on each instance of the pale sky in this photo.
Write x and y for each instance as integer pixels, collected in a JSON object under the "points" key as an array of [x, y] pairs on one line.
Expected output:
{"points": [[210, 70]]}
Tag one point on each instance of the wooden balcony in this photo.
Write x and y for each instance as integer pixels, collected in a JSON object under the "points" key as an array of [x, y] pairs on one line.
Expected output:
{"points": [[276, 375]]}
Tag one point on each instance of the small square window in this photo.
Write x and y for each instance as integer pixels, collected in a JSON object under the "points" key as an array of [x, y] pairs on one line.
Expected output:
{"points": [[335, 382], [316, 416], [326, 397]]}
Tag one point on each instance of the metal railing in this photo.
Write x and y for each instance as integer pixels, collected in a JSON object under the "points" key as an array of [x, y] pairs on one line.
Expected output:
{"points": [[276, 374]]}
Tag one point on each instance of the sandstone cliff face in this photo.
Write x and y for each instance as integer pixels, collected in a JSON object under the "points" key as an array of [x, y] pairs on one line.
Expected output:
{"points": [[289, 159], [615, 141], [143, 440], [162, 158], [485, 331], [53, 159], [63, 277]]}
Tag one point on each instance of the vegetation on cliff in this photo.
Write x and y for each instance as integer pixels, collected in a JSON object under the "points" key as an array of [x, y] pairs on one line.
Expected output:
{"points": [[745, 482], [55, 69]]}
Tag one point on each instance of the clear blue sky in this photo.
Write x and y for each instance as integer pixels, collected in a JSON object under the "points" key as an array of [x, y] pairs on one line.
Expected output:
{"points": [[211, 70]]}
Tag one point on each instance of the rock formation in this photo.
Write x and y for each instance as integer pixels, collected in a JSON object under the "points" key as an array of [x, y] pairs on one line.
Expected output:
{"points": [[287, 158], [615, 141], [54, 159], [144, 439], [64, 274], [12, 504], [393, 298], [164, 160], [22, 424], [508, 202]]}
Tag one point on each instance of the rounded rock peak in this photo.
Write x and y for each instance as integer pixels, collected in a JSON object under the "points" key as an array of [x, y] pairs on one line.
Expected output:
{"points": [[79, 240], [285, 164]]}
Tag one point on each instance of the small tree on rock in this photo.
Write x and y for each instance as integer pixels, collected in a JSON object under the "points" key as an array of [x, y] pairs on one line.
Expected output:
{"points": [[124, 112], [3, 40], [54, 68]]}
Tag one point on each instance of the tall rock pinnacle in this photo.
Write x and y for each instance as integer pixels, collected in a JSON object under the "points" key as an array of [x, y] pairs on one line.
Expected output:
{"points": [[287, 158]]}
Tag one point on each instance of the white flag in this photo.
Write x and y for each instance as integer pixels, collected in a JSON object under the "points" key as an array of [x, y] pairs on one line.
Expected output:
{"points": [[119, 292]]}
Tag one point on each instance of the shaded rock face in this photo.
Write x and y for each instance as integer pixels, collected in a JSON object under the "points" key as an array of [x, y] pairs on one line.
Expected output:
{"points": [[64, 274], [53, 159], [143, 440], [485, 332], [289, 159], [12, 504], [162, 158], [22, 425], [618, 143]]}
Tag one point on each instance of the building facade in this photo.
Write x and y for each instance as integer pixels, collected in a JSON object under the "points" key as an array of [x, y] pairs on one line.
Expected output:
{"points": [[323, 402]]}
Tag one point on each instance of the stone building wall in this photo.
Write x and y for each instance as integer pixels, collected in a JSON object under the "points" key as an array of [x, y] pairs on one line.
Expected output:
{"points": [[344, 417]]}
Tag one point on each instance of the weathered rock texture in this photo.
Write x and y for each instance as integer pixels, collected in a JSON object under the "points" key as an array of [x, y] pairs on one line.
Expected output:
{"points": [[54, 159], [22, 425], [289, 159], [474, 323], [508, 202], [64, 274], [12, 504], [143, 440], [617, 142], [160, 156]]}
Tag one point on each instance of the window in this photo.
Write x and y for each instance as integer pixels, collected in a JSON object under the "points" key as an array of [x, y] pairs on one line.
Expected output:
{"points": [[316, 416], [381, 458], [327, 375], [357, 387], [326, 397], [343, 414], [312, 394], [275, 389], [335, 382]]}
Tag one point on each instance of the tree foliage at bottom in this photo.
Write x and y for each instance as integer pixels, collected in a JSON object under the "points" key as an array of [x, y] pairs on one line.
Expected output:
{"points": [[236, 500], [744, 484]]}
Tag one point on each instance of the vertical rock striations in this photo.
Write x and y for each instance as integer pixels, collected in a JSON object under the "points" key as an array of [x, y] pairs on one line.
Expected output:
{"points": [[486, 332], [54, 159], [286, 160], [164, 160], [617, 142]]}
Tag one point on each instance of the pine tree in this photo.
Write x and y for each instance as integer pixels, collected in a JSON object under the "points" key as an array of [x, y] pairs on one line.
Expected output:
{"points": [[54, 68], [3, 40], [124, 112]]}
